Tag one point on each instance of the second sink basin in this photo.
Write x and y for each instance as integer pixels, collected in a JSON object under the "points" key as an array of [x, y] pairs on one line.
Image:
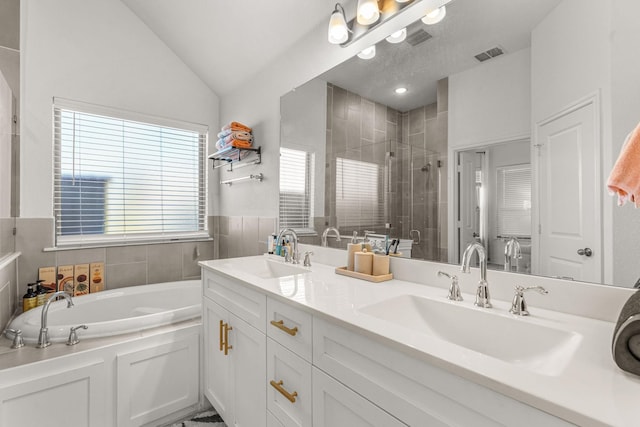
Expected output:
{"points": [[520, 341], [271, 269]]}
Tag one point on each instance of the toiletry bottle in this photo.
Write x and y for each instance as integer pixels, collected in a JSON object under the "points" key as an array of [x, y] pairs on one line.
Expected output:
{"points": [[270, 244], [41, 293], [30, 299]]}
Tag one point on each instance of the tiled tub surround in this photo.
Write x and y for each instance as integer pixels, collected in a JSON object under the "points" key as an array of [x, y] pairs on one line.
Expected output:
{"points": [[124, 265], [588, 390], [241, 235]]}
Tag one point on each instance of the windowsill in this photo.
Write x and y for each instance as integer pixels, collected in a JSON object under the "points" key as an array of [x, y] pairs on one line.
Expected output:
{"points": [[98, 245]]}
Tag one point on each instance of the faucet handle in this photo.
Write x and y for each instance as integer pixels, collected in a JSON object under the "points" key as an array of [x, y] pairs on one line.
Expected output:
{"points": [[73, 336], [454, 290], [17, 338], [307, 258], [519, 305]]}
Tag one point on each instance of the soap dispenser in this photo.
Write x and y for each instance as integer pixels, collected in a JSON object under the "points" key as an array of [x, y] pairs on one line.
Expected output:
{"points": [[41, 293], [30, 299]]}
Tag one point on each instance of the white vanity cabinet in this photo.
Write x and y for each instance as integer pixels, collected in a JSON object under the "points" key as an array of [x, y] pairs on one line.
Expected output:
{"points": [[234, 350]]}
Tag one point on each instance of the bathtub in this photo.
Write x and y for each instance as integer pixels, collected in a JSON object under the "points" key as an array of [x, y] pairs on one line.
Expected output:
{"points": [[115, 312]]}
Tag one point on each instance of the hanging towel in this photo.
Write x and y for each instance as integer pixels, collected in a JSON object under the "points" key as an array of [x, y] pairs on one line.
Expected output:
{"points": [[624, 180]]}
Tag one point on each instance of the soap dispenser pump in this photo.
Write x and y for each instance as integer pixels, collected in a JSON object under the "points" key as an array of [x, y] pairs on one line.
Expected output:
{"points": [[30, 299]]}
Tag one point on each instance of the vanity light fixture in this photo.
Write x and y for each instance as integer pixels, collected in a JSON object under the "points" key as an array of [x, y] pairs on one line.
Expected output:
{"points": [[435, 16], [398, 36], [338, 31], [368, 53], [400, 90], [367, 12]]}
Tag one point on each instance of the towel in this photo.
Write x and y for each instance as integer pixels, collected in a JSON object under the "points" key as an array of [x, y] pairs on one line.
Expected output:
{"points": [[626, 336], [624, 180], [236, 126]]}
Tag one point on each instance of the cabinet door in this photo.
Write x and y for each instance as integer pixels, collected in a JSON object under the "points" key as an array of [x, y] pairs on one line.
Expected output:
{"points": [[248, 371], [74, 396], [216, 363], [334, 405]]}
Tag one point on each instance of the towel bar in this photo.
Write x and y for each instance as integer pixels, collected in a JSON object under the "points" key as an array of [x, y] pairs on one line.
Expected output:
{"points": [[258, 177]]}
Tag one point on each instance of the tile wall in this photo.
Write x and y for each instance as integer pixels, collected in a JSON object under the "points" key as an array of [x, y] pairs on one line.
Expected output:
{"points": [[241, 235]]}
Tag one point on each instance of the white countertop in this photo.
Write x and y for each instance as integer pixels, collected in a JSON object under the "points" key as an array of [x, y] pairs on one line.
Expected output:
{"points": [[589, 390]]}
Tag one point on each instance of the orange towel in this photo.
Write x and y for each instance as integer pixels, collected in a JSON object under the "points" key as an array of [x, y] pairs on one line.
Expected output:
{"points": [[241, 144], [624, 180], [236, 126]]}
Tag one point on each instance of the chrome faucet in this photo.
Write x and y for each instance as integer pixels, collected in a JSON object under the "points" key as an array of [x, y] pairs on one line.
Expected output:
{"points": [[512, 252], [295, 256], [482, 294], [43, 338], [519, 305], [325, 233]]}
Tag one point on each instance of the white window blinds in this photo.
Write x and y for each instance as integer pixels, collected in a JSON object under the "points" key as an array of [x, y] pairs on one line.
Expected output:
{"points": [[514, 201], [296, 189], [126, 180], [359, 194]]}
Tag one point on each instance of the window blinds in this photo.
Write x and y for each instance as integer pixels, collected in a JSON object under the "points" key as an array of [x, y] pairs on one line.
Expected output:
{"points": [[296, 189], [119, 179], [514, 201], [359, 194]]}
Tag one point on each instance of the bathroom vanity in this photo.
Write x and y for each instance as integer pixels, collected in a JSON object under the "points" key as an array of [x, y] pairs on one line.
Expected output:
{"points": [[293, 346]]}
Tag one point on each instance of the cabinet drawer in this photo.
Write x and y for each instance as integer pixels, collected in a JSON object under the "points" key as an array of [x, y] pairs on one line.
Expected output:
{"points": [[289, 386], [334, 405], [291, 327], [414, 391], [235, 296]]}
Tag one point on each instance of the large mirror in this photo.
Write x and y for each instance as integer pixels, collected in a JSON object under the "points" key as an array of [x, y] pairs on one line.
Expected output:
{"points": [[505, 135]]}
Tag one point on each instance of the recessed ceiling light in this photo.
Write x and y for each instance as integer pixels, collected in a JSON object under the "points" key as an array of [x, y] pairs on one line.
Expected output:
{"points": [[368, 53], [398, 36], [401, 90], [435, 16]]}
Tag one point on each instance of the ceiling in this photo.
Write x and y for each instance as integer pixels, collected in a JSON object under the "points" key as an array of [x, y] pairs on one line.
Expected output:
{"points": [[470, 27], [227, 42]]}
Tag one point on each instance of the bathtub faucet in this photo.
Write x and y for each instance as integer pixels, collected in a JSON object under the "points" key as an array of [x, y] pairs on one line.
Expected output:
{"points": [[43, 338]]}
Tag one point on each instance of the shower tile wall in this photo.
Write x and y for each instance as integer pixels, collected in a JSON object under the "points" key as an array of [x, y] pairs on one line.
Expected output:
{"points": [[424, 130], [360, 129]]}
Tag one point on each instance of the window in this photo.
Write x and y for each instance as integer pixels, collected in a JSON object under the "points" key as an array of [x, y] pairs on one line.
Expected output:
{"points": [[359, 194], [120, 176], [296, 190], [514, 201]]}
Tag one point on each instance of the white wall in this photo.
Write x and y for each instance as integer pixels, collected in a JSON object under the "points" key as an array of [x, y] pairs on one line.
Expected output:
{"points": [[491, 102], [625, 116], [95, 51], [303, 115], [6, 115]]}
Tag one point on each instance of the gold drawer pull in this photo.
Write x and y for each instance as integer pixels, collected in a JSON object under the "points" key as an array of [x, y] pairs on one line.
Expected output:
{"points": [[221, 332], [280, 325], [278, 386], [227, 347]]}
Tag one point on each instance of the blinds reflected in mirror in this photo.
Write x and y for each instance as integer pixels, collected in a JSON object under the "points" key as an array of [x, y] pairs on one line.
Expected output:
{"points": [[359, 194], [296, 189], [514, 201]]}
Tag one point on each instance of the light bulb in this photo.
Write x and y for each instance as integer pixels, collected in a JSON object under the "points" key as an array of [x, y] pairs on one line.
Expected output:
{"points": [[338, 32], [398, 36], [401, 90], [435, 16], [368, 12], [368, 53]]}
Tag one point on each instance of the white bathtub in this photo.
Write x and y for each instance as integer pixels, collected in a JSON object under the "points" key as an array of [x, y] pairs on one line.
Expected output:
{"points": [[116, 311]]}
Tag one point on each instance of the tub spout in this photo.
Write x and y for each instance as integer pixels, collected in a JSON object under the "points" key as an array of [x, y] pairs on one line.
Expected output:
{"points": [[43, 338]]}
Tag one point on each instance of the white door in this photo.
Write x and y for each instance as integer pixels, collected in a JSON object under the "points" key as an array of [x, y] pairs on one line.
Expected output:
{"points": [[216, 363], [248, 347], [569, 195]]}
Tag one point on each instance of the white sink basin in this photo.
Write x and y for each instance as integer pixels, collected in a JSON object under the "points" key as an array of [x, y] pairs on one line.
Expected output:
{"points": [[271, 269], [515, 340]]}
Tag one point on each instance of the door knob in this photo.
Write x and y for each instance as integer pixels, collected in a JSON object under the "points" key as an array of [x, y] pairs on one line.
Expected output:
{"points": [[585, 252]]}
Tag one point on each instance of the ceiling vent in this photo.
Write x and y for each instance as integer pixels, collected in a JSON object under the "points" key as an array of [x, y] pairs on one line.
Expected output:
{"points": [[418, 37], [488, 54]]}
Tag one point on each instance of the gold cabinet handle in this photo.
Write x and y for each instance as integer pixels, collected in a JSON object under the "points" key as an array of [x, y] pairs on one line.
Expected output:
{"points": [[280, 325], [227, 347], [278, 386], [220, 335]]}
